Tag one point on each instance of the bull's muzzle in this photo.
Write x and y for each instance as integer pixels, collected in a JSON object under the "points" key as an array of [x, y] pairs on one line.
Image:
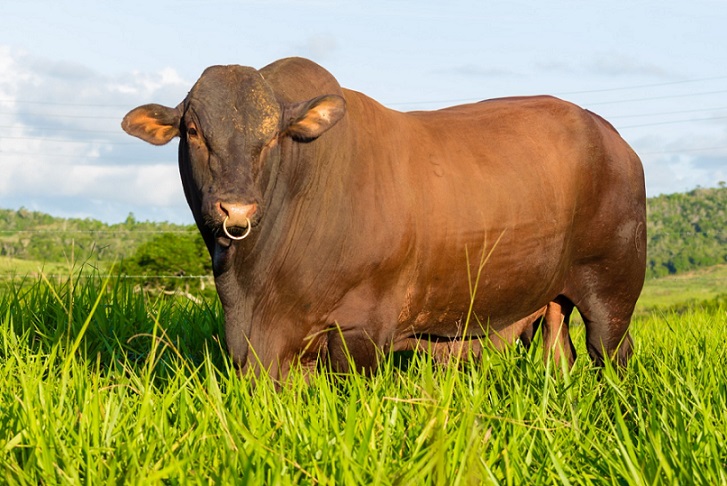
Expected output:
{"points": [[236, 224]]}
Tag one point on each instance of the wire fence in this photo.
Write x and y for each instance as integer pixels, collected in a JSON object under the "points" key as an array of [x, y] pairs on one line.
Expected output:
{"points": [[80, 270]]}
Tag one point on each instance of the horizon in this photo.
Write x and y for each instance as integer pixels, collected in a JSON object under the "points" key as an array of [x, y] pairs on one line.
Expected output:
{"points": [[720, 185]]}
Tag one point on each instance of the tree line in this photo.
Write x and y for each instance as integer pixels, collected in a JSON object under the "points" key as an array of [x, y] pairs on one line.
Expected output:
{"points": [[685, 231]]}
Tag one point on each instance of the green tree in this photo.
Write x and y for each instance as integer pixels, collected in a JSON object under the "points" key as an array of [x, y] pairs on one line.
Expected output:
{"points": [[171, 262], [686, 231]]}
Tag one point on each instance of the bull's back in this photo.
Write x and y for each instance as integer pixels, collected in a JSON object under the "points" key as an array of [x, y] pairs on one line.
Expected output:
{"points": [[535, 165]]}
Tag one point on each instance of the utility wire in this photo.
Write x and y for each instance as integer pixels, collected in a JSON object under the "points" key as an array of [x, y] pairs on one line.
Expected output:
{"points": [[672, 122], [598, 90], [61, 115]]}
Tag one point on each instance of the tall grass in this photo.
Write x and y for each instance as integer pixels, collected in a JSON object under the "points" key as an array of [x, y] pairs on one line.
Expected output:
{"points": [[100, 383]]}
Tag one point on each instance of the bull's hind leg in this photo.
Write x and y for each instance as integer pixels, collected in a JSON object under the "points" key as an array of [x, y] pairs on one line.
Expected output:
{"points": [[556, 334], [555, 318], [607, 336], [606, 306]]}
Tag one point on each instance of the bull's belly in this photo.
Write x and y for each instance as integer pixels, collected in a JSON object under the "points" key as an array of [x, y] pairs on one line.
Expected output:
{"points": [[479, 321], [497, 301]]}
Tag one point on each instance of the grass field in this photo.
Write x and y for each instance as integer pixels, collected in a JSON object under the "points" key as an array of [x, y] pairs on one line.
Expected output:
{"points": [[16, 268], [100, 383], [676, 290]]}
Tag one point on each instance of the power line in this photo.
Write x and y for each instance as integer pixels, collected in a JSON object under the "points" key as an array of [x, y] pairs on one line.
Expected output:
{"points": [[61, 115], [65, 140], [95, 158], [398, 103], [652, 98], [673, 122], [638, 115], [565, 93], [598, 90], [109, 142], [702, 149], [663, 113], [61, 129], [62, 103], [639, 86], [116, 132]]}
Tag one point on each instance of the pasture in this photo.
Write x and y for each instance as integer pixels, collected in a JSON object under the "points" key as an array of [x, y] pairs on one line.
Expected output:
{"points": [[100, 382]]}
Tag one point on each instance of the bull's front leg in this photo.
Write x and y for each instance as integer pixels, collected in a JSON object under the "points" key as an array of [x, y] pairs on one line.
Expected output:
{"points": [[361, 328], [355, 346], [280, 344]]}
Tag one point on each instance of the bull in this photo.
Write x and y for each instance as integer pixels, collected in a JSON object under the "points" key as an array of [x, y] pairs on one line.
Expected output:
{"points": [[339, 228]]}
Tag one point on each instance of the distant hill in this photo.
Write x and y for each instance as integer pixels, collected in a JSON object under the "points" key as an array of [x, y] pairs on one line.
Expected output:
{"points": [[685, 231], [31, 235]]}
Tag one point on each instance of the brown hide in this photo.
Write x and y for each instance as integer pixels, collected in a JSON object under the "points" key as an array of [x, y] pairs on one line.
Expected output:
{"points": [[372, 228]]}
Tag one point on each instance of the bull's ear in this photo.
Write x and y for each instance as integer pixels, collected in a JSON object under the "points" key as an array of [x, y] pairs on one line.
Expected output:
{"points": [[155, 124], [310, 119]]}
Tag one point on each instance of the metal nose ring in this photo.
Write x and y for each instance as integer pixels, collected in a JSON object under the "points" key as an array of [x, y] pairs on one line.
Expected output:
{"points": [[233, 237]]}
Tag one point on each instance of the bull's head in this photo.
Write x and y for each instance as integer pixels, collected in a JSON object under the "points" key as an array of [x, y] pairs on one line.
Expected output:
{"points": [[229, 126]]}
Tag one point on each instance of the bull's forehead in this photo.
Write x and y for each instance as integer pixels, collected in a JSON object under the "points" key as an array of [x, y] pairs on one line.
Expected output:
{"points": [[236, 96]]}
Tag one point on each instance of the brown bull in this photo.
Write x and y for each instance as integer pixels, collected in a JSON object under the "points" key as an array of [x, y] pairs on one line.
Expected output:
{"points": [[367, 228]]}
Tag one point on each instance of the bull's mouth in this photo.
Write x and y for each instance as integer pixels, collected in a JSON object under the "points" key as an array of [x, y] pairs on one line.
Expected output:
{"points": [[228, 233]]}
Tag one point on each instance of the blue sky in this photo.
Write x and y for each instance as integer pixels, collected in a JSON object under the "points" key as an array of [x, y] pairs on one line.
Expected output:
{"points": [[70, 70]]}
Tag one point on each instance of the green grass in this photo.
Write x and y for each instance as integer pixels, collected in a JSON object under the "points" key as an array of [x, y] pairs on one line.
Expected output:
{"points": [[703, 284], [100, 383], [15, 267]]}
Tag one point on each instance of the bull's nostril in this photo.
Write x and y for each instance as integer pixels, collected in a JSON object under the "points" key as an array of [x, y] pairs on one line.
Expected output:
{"points": [[221, 209], [235, 214]]}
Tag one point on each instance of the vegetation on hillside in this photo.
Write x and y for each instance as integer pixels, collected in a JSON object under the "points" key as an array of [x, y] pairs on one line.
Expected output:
{"points": [[31, 235], [144, 251], [685, 231]]}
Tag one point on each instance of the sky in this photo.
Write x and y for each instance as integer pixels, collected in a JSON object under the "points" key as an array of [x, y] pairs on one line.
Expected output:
{"points": [[70, 71]]}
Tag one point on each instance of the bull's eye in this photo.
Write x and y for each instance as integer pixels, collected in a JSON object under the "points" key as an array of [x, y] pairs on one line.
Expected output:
{"points": [[191, 130]]}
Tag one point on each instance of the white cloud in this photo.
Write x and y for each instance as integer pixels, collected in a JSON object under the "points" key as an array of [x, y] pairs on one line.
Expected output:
{"points": [[615, 64], [61, 143], [608, 65], [318, 47], [150, 84], [697, 157]]}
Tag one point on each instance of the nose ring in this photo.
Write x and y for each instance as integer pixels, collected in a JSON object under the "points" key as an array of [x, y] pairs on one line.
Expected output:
{"points": [[233, 237]]}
